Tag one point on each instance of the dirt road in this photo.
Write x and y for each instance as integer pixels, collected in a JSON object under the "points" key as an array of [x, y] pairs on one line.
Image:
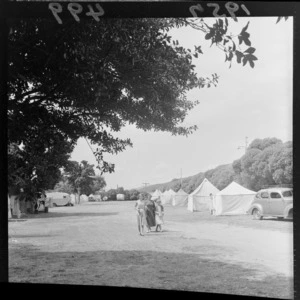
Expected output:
{"points": [[262, 249]]}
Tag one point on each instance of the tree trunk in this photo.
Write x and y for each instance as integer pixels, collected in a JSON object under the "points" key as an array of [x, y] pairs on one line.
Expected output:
{"points": [[9, 209], [16, 205], [79, 192], [18, 208]]}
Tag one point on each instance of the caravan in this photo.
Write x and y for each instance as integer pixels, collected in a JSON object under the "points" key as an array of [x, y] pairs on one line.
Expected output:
{"points": [[59, 199]]}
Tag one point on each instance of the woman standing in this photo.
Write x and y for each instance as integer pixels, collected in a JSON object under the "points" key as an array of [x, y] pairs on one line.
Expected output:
{"points": [[159, 214], [150, 213], [140, 213]]}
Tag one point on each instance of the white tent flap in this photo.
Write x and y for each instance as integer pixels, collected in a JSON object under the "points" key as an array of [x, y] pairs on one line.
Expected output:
{"points": [[180, 199], [233, 200], [201, 198], [167, 197]]}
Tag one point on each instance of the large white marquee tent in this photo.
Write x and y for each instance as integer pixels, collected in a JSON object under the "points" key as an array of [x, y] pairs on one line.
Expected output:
{"points": [[167, 197], [180, 199], [199, 199], [233, 200]]}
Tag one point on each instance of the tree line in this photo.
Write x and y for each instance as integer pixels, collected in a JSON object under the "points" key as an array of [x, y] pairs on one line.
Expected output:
{"points": [[267, 162]]}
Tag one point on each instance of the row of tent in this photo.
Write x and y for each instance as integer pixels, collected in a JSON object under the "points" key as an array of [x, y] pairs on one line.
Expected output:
{"points": [[232, 200], [85, 198]]}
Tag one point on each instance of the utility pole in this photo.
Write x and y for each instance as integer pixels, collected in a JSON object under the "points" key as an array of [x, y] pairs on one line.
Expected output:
{"points": [[246, 144], [181, 178]]}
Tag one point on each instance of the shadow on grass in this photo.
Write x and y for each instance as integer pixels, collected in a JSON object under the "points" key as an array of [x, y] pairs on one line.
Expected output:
{"points": [[69, 214], [144, 269], [31, 236], [277, 220]]}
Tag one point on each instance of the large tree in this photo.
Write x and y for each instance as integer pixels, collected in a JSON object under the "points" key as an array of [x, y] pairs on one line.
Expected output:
{"points": [[267, 161], [89, 79], [81, 176]]}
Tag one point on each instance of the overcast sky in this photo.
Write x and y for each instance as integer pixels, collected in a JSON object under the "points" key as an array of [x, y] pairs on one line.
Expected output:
{"points": [[256, 103]]}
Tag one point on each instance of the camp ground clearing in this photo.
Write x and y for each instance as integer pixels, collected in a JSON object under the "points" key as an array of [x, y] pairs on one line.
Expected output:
{"points": [[97, 243]]}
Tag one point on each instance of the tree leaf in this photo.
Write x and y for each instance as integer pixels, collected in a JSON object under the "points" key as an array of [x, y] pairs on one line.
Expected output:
{"points": [[245, 28], [251, 63], [250, 50], [234, 47], [221, 23], [239, 56], [247, 42], [240, 39], [252, 57], [226, 21], [208, 36]]}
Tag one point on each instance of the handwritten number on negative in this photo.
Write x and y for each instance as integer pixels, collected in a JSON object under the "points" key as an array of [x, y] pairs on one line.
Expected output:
{"points": [[95, 14], [215, 12], [56, 8], [231, 7], [75, 9]]}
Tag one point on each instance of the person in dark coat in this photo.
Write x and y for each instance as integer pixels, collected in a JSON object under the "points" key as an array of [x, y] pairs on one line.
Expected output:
{"points": [[150, 213]]}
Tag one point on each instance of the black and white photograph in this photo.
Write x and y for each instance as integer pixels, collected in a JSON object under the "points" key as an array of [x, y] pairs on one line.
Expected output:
{"points": [[153, 150]]}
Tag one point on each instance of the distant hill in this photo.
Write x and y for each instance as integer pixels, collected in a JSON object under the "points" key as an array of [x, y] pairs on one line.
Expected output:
{"points": [[267, 162], [220, 176]]}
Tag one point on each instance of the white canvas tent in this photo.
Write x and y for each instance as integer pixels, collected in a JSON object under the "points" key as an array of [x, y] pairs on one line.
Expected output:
{"points": [[233, 200], [180, 199], [84, 198], [167, 197], [156, 194], [120, 197], [73, 199], [199, 199]]}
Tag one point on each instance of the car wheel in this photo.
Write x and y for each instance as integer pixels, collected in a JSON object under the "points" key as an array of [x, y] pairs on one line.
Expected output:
{"points": [[256, 214]]}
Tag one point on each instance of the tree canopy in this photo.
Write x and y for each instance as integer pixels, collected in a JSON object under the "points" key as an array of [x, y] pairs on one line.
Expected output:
{"points": [[89, 79], [81, 176], [266, 162]]}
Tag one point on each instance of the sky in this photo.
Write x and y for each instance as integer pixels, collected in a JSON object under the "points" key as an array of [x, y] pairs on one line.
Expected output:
{"points": [[252, 103]]}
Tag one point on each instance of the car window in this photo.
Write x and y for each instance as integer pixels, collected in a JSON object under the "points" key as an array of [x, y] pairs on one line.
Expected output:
{"points": [[275, 195], [264, 194], [257, 196], [287, 193]]}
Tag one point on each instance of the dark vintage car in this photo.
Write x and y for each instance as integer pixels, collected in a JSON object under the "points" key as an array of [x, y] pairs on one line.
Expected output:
{"points": [[272, 202]]}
